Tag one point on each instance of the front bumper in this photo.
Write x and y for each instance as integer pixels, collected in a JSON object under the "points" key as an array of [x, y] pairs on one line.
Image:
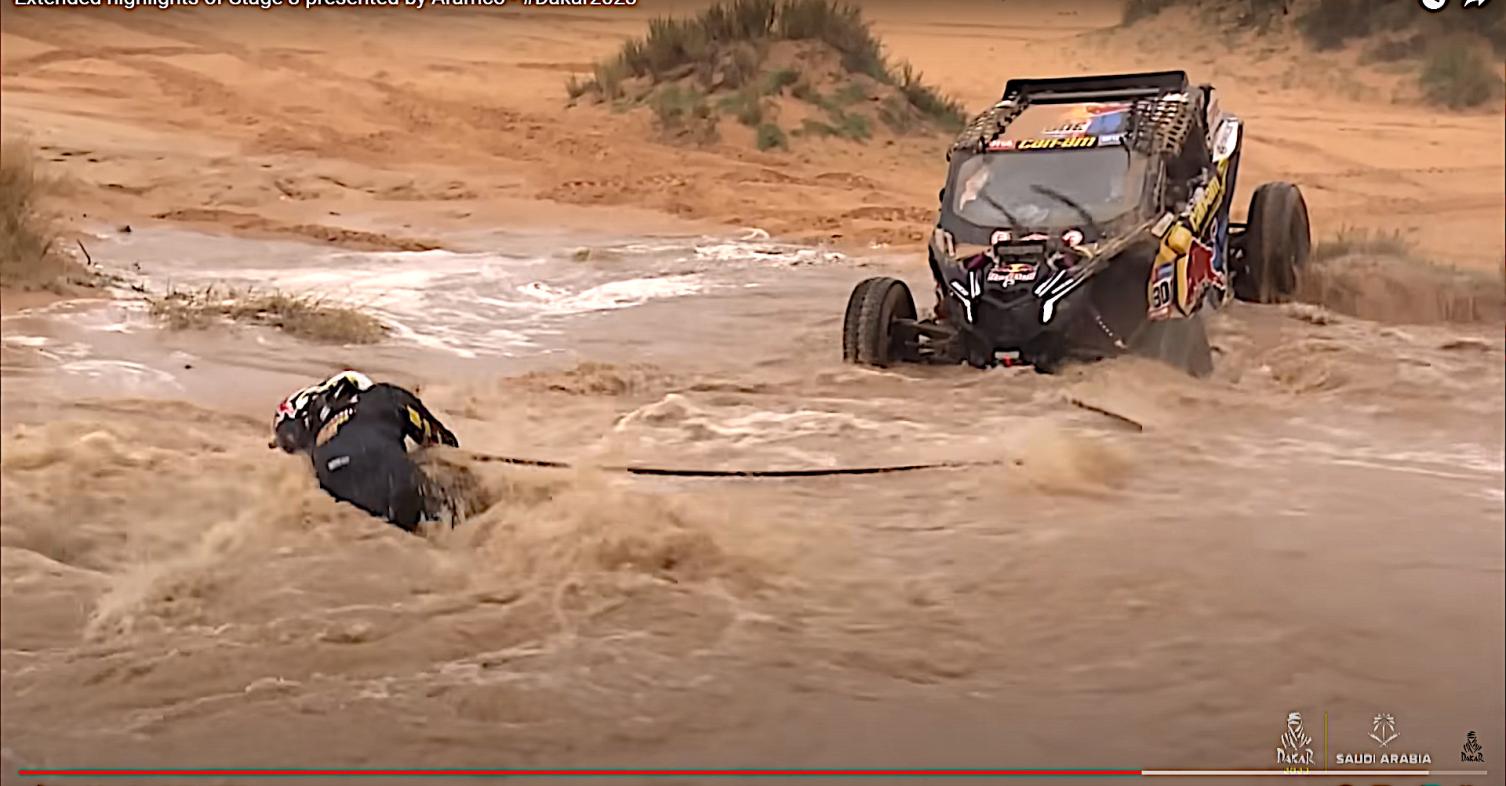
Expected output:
{"points": [[1015, 316]]}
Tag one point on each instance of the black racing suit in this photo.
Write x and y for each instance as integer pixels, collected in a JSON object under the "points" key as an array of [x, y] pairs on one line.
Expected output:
{"points": [[356, 441]]}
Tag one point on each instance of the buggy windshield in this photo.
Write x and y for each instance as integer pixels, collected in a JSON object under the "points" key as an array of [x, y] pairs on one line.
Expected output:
{"points": [[1046, 189]]}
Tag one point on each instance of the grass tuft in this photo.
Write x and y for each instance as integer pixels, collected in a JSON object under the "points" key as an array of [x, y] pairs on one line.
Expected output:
{"points": [[771, 137], [1329, 24], [853, 126], [840, 26], [725, 48], [1363, 240], [31, 256], [931, 102], [1135, 10], [813, 127], [683, 112], [750, 112], [304, 316], [1456, 75], [779, 80]]}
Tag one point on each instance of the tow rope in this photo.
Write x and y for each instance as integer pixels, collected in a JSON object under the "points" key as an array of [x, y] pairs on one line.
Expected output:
{"points": [[673, 472]]}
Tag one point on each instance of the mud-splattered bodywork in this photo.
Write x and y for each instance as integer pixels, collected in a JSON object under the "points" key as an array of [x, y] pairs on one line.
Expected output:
{"points": [[1077, 213]]}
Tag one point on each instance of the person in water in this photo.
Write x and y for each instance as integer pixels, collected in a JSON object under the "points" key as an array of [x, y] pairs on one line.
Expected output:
{"points": [[354, 432]]}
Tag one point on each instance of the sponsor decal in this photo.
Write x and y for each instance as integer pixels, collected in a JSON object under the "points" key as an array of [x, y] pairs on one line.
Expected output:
{"points": [[1197, 276], [328, 431], [295, 402], [1109, 140], [421, 423], [999, 236], [1001, 144], [1161, 290], [1074, 130], [1220, 251], [1012, 272], [1225, 139], [1090, 120], [1162, 226], [1206, 198], [1058, 143], [1072, 237], [336, 463]]}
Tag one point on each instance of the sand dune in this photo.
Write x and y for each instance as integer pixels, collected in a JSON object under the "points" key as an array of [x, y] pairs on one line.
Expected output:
{"points": [[402, 122]]}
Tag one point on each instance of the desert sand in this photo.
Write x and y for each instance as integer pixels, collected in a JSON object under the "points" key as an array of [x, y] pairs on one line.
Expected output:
{"points": [[1315, 528], [338, 125]]}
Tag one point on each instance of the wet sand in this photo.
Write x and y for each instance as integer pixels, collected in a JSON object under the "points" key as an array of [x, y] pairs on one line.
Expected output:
{"points": [[1102, 596], [1316, 528]]}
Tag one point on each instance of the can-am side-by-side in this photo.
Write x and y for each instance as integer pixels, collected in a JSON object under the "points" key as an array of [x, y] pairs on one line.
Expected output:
{"points": [[1085, 217]]}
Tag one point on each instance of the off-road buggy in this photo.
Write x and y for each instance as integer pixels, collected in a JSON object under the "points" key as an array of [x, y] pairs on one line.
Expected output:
{"points": [[1085, 217]]}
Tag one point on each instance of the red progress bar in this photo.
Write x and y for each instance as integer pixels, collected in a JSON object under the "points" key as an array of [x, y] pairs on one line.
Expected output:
{"points": [[519, 773]]}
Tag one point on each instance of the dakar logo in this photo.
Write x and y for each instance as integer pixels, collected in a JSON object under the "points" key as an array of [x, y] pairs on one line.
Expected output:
{"points": [[1472, 750], [1383, 729], [1296, 746]]}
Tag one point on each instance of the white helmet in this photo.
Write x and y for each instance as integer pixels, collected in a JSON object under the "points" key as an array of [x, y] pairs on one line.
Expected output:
{"points": [[294, 404]]}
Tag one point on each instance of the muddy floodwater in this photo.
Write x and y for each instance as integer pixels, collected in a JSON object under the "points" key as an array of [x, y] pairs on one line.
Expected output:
{"points": [[1317, 528]]}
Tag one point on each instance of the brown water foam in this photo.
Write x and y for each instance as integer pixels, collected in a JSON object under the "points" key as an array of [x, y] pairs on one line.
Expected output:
{"points": [[205, 589], [195, 527]]}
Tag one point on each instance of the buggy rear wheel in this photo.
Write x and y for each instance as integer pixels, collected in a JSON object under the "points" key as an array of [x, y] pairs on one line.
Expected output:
{"points": [[869, 334], [1277, 241]]}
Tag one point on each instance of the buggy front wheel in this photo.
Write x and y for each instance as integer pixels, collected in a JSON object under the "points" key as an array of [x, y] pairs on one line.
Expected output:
{"points": [[878, 328]]}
